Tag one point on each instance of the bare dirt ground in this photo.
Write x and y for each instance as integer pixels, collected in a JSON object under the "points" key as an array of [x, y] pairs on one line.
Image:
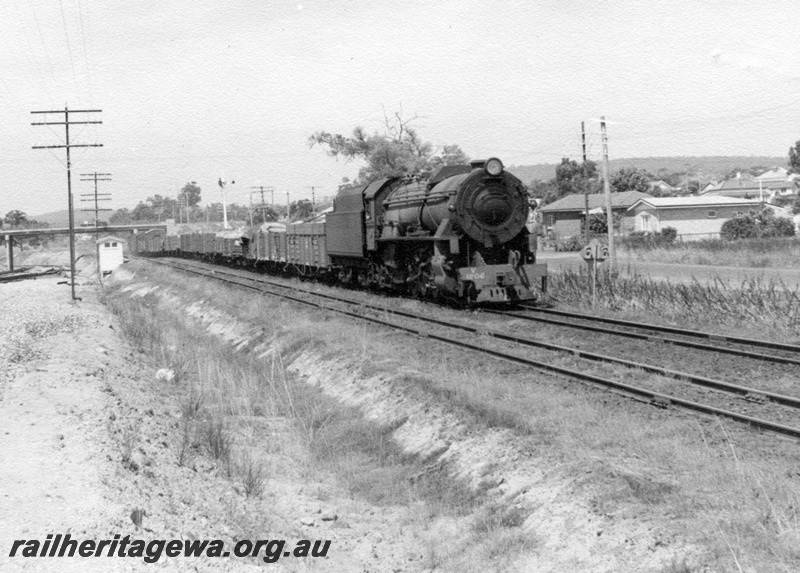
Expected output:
{"points": [[86, 437]]}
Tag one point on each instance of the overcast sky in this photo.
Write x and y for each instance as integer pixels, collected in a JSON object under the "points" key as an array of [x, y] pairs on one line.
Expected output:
{"points": [[195, 90]]}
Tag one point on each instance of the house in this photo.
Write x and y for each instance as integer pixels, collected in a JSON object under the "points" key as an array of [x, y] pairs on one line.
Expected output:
{"points": [[766, 189], [693, 217], [777, 174], [564, 218], [661, 187]]}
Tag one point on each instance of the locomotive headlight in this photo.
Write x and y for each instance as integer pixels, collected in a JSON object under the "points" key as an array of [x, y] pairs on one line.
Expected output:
{"points": [[494, 167]]}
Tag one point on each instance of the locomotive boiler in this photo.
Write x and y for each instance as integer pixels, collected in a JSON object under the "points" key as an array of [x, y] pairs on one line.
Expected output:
{"points": [[460, 233]]}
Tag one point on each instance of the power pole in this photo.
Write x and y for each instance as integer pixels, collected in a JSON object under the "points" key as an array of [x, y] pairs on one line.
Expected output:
{"points": [[288, 207], [183, 206], [96, 197], [607, 189], [67, 145], [313, 201], [585, 186], [263, 205]]}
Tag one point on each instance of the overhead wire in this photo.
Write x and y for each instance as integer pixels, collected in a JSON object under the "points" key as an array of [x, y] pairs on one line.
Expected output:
{"points": [[85, 53], [44, 45], [69, 48], [34, 63]]}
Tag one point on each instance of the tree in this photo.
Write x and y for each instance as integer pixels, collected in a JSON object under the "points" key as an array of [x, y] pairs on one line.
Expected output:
{"points": [[16, 218], [570, 177], [397, 151], [794, 158], [547, 191], [264, 214], [631, 179], [301, 209], [450, 155], [121, 217], [190, 193], [143, 212], [796, 205], [598, 223]]}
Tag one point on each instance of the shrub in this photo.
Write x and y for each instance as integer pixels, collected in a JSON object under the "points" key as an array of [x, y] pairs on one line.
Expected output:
{"points": [[647, 240], [780, 227], [740, 227], [669, 234], [757, 225], [574, 243]]}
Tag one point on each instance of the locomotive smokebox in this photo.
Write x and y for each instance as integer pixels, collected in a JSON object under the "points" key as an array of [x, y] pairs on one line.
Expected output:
{"points": [[482, 200], [490, 209]]}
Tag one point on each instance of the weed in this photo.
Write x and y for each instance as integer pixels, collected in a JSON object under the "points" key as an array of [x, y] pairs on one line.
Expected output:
{"points": [[185, 448], [253, 474], [754, 303], [192, 404], [217, 440], [130, 438], [494, 516]]}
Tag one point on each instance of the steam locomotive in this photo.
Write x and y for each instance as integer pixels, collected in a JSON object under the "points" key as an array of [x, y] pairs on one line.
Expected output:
{"points": [[459, 234]]}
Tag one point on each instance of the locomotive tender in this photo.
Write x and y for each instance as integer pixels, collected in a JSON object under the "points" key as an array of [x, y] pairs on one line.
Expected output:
{"points": [[460, 234]]}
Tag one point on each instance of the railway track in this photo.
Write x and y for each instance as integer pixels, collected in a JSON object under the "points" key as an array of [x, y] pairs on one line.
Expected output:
{"points": [[789, 353], [442, 331]]}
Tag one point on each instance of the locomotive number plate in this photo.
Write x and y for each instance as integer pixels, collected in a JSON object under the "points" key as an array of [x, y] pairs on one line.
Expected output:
{"points": [[474, 276]]}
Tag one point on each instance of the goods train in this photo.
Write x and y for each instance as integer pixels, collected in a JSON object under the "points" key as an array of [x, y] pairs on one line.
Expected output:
{"points": [[459, 234]]}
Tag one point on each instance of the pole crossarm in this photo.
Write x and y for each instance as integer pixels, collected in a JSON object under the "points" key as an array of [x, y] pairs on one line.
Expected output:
{"points": [[67, 146], [71, 111], [65, 123]]}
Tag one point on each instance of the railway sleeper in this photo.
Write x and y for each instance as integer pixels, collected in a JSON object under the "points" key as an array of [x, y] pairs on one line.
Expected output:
{"points": [[755, 397], [660, 402]]}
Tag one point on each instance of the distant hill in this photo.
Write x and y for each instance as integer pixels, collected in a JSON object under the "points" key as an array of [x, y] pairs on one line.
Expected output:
{"points": [[703, 168], [56, 218]]}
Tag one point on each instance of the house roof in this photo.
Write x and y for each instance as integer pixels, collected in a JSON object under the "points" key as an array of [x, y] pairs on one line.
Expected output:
{"points": [[110, 238], [736, 184], [689, 202], [575, 202], [775, 173]]}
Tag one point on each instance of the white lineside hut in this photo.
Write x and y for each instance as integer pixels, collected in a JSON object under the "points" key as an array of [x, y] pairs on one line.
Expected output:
{"points": [[109, 253]]}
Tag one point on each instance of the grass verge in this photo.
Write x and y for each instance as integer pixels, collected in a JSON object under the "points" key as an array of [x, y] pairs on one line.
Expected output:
{"points": [[760, 307], [698, 482], [228, 399]]}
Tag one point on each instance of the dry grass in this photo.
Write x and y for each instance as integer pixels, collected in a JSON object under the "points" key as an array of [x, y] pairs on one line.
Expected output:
{"points": [[224, 390], [716, 485], [758, 253], [763, 307]]}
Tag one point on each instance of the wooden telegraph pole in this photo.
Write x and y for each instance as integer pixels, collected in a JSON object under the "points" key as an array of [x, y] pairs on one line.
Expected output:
{"points": [[607, 189], [66, 123], [585, 187], [313, 201], [96, 197]]}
